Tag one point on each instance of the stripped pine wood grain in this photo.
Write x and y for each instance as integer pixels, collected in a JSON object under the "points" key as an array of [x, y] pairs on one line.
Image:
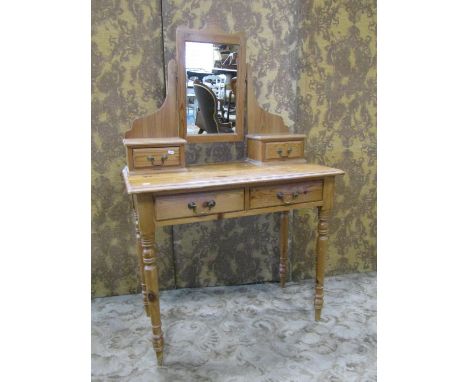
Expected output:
{"points": [[285, 194], [273, 179], [225, 174], [199, 204]]}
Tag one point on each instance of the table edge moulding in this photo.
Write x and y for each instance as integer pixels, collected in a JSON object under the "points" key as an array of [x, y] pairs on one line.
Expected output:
{"points": [[274, 177]]}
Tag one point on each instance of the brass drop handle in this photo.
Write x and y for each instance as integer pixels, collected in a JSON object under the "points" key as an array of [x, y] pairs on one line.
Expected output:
{"points": [[192, 206], [210, 204], [151, 159], [280, 196], [280, 151], [164, 158]]}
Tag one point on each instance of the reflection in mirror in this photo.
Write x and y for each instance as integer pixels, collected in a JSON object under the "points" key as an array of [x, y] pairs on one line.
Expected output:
{"points": [[211, 75]]}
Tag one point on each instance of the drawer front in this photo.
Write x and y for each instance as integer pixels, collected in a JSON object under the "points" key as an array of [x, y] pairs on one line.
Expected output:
{"points": [[156, 157], [292, 193], [199, 204], [283, 150]]}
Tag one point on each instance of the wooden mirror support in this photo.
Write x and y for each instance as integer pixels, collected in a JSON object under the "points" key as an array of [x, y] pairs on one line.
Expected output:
{"points": [[269, 140], [153, 142], [211, 33], [157, 141]]}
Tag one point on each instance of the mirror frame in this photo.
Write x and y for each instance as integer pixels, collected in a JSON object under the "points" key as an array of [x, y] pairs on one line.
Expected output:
{"points": [[211, 33]]}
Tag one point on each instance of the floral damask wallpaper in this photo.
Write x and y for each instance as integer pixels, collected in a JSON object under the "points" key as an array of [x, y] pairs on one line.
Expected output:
{"points": [[127, 82], [314, 63]]}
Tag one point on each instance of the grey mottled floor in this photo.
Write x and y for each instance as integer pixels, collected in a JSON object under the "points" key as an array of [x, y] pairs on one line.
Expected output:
{"points": [[242, 333]]}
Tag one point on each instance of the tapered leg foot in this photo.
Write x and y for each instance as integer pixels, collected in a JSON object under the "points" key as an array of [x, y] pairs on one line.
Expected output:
{"points": [[283, 264], [318, 302], [318, 313], [147, 230], [158, 343], [160, 358], [322, 241], [139, 251]]}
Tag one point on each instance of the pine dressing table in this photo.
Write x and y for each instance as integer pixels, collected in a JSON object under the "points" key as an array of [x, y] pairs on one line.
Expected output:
{"points": [[274, 177]]}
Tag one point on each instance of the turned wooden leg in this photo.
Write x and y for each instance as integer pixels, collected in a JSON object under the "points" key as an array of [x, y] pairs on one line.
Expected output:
{"points": [[145, 210], [283, 265], [140, 260], [322, 243]]}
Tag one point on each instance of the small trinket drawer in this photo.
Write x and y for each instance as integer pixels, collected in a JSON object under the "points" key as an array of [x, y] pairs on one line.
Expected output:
{"points": [[275, 147], [158, 154]]}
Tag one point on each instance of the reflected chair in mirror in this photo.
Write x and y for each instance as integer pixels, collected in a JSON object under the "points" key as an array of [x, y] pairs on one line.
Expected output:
{"points": [[209, 117]]}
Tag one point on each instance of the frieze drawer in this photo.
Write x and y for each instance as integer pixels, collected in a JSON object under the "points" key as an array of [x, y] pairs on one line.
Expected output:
{"points": [[199, 204], [285, 194], [152, 157]]}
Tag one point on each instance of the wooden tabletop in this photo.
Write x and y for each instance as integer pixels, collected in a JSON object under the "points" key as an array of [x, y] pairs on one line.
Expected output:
{"points": [[275, 137], [223, 174]]}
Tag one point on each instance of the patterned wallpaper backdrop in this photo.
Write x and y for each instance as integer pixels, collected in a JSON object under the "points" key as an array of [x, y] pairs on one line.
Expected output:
{"points": [[314, 63]]}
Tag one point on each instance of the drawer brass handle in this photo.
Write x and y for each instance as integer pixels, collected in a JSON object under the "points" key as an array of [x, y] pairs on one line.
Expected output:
{"points": [[164, 158], [280, 152], [210, 204], [280, 196], [151, 159], [192, 206]]}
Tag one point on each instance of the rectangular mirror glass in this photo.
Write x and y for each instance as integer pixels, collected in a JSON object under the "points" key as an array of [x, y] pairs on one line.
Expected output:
{"points": [[211, 76], [210, 84]]}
